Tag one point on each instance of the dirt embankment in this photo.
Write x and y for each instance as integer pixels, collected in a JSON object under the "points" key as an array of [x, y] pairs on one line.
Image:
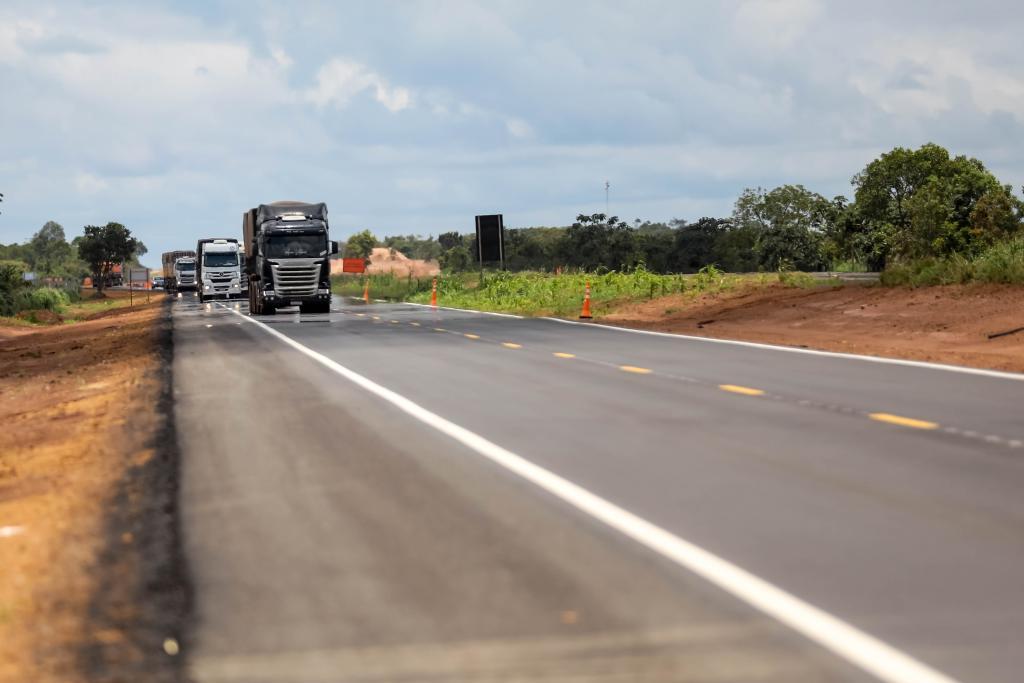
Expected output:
{"points": [[952, 324], [92, 583], [384, 260]]}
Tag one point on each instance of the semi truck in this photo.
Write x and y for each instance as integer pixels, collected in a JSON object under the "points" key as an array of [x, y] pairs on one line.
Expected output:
{"points": [[218, 274], [287, 257], [179, 270]]}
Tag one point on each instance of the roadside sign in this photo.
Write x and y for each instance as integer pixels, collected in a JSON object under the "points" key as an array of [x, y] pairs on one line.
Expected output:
{"points": [[353, 265], [490, 239]]}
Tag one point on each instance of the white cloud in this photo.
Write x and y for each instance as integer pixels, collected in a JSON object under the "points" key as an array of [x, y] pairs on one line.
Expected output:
{"points": [[920, 75], [518, 128], [339, 80], [87, 183]]}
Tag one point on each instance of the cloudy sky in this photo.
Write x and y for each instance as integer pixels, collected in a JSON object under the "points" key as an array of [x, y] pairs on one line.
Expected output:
{"points": [[411, 116]]}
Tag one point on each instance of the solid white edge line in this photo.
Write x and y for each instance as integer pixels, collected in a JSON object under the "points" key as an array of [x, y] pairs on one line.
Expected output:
{"points": [[999, 374], [465, 310], [853, 645]]}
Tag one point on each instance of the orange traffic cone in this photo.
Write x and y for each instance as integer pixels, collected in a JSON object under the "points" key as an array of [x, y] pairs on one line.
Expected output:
{"points": [[433, 294], [585, 315], [366, 291]]}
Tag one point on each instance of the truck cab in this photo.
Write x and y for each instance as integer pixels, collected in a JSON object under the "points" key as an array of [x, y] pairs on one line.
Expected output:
{"points": [[288, 254], [185, 273], [219, 270]]}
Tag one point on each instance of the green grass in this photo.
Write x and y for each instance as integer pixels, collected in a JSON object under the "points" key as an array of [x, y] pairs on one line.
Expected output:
{"points": [[1002, 263], [532, 293], [382, 286]]}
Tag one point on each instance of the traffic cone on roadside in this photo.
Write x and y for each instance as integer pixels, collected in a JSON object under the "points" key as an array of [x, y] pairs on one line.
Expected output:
{"points": [[585, 315], [433, 294], [366, 291]]}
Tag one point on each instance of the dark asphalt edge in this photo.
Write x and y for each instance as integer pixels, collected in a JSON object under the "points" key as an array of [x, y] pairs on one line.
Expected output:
{"points": [[155, 603]]}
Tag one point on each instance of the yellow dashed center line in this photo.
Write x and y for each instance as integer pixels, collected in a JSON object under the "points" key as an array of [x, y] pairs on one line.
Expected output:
{"points": [[376, 317], [471, 336], [361, 315], [559, 354], [440, 329], [394, 322], [415, 324], [903, 421], [736, 389], [635, 370], [510, 345]]}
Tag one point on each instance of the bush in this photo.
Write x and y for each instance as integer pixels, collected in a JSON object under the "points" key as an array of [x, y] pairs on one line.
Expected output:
{"points": [[32, 299], [1001, 263]]}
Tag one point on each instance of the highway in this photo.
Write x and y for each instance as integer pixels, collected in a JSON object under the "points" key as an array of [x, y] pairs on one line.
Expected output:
{"points": [[395, 493]]}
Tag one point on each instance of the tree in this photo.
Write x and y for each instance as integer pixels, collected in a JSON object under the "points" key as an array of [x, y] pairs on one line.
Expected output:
{"points": [[360, 245], [104, 247], [996, 216], [788, 222], [50, 253], [920, 203], [693, 246], [456, 259], [449, 240], [599, 241]]}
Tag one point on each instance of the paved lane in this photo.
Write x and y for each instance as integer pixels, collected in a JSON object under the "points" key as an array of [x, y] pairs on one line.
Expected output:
{"points": [[911, 534]]}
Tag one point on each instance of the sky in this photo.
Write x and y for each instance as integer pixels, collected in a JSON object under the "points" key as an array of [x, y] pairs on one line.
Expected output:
{"points": [[412, 117]]}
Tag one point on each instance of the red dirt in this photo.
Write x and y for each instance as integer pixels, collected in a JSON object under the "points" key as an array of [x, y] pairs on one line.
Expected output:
{"points": [[78, 404], [948, 324]]}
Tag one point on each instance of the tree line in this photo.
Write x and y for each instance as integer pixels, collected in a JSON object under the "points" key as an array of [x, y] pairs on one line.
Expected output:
{"points": [[908, 204], [52, 258]]}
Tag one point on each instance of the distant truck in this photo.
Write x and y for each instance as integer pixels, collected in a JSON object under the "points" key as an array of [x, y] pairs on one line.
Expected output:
{"points": [[179, 270], [287, 257], [219, 275]]}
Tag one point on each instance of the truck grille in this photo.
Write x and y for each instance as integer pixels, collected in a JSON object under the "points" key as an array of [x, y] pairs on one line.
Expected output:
{"points": [[296, 280]]}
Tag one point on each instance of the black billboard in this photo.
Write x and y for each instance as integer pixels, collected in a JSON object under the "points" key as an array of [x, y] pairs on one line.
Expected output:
{"points": [[490, 239]]}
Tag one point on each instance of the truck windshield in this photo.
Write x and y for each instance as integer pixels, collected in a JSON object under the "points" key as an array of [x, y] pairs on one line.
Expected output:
{"points": [[220, 259], [186, 266], [296, 246]]}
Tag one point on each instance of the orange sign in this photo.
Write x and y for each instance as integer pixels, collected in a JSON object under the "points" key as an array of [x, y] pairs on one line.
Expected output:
{"points": [[353, 265]]}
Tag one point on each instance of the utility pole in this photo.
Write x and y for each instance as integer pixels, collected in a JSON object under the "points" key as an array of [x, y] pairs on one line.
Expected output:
{"points": [[607, 186]]}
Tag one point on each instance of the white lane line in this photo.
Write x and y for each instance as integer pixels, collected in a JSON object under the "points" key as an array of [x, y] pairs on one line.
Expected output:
{"points": [[855, 646], [465, 310], [812, 352]]}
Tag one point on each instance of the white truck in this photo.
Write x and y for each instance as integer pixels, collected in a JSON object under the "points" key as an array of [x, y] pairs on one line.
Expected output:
{"points": [[179, 270], [220, 274]]}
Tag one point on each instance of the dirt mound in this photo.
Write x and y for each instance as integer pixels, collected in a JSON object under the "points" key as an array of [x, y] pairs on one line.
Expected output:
{"points": [[965, 325], [41, 316], [384, 260]]}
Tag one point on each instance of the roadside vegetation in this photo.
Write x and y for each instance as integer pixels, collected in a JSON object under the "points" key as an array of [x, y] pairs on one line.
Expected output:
{"points": [[40, 280], [1001, 263], [539, 293], [922, 216]]}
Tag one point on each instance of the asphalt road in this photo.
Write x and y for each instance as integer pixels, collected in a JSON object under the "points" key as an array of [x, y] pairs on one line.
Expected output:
{"points": [[333, 533]]}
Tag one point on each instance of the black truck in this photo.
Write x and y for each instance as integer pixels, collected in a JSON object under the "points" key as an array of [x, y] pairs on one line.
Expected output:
{"points": [[287, 257]]}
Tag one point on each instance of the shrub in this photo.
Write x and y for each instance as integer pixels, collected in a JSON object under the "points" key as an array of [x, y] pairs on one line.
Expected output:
{"points": [[1001, 263]]}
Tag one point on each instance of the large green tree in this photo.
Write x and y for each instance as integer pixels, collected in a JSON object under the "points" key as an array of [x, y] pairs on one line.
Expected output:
{"points": [[50, 253], [103, 247], [360, 245], [923, 203], [788, 223]]}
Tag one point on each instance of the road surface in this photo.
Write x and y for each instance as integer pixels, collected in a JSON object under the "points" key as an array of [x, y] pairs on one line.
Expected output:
{"points": [[394, 493]]}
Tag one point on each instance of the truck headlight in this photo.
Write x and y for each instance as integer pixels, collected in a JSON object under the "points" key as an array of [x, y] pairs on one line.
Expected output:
{"points": [[206, 286]]}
